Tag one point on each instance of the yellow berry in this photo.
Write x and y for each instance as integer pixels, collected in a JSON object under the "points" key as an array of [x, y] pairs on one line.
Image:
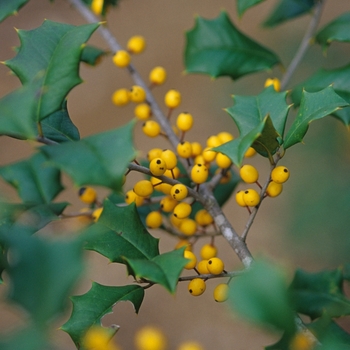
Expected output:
{"points": [[239, 199], [199, 159], [199, 173], [172, 98], [203, 218], [188, 227], [208, 154], [98, 338], [179, 192], [223, 161], [250, 152], [182, 210], [155, 182], [213, 141], [173, 173], [136, 44], [192, 260], [184, 121], [97, 7], [215, 266], [275, 82], [175, 221], [208, 251], [154, 153], [157, 76], [224, 137], [167, 204], [184, 149], [221, 292], [151, 128], [202, 267], [137, 94], [87, 195], [274, 189], [184, 243], [170, 158], [251, 197], [280, 174], [165, 188], [196, 149], [154, 219], [150, 338], [121, 97], [302, 342], [249, 174], [190, 345], [157, 167], [143, 111], [197, 287], [121, 58], [131, 197], [96, 214], [143, 188]]}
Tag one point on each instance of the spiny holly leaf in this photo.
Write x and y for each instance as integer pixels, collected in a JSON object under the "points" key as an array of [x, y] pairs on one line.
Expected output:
{"points": [[59, 127], [244, 5], [92, 55], [288, 9], [313, 106], [42, 274], [337, 30], [51, 53], [164, 269], [17, 117], [35, 181], [216, 47], [89, 308], [99, 159], [119, 234], [9, 8], [323, 78], [318, 293], [261, 295]]}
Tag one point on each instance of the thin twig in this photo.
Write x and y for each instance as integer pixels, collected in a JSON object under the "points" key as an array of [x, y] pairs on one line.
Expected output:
{"points": [[210, 276]]}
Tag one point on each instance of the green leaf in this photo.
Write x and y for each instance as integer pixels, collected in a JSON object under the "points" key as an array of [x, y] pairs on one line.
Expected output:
{"points": [[100, 159], [119, 234], [164, 269], [51, 54], [216, 47], [244, 5], [261, 295], [9, 8], [35, 181], [320, 292], [59, 127], [89, 308], [337, 30], [42, 274], [92, 55], [323, 78], [313, 106], [17, 117], [287, 10]]}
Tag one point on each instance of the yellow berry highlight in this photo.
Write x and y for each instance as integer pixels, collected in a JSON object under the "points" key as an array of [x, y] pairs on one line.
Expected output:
{"points": [[208, 251], [274, 189], [157, 167], [154, 219], [301, 342], [213, 141], [157, 75], [97, 6], [196, 149], [167, 204], [143, 188], [98, 338], [251, 197], [179, 192], [223, 161], [208, 154], [192, 260], [143, 111], [184, 121], [215, 266], [96, 214], [182, 210], [221, 292], [249, 174], [136, 44], [188, 227], [250, 152], [199, 173], [280, 174], [203, 218], [275, 82], [172, 98], [137, 94], [121, 97], [132, 197], [225, 136], [170, 158], [184, 149], [151, 128], [190, 345], [154, 153], [121, 59], [87, 195], [202, 267], [150, 338], [239, 199], [197, 287]]}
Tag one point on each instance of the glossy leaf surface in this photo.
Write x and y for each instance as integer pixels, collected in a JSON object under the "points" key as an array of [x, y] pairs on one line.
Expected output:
{"points": [[9, 8], [92, 55], [244, 5]]}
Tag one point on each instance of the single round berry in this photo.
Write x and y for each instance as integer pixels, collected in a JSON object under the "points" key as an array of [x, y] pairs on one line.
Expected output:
{"points": [[87, 195], [154, 219], [190, 345], [165, 188], [275, 82], [223, 161], [280, 174], [97, 7], [221, 292], [213, 141], [167, 204], [121, 97], [150, 338], [137, 94], [132, 197], [225, 136], [184, 121], [196, 149], [154, 153], [151, 128], [179, 192], [157, 166], [196, 287], [188, 227], [157, 76], [249, 174], [215, 266], [208, 154], [143, 188], [250, 152], [143, 111], [202, 267], [170, 158], [121, 58], [199, 173], [96, 214], [199, 159], [239, 199], [184, 149], [172, 98], [182, 210], [136, 44], [251, 197], [274, 189], [208, 251], [192, 260], [203, 218]]}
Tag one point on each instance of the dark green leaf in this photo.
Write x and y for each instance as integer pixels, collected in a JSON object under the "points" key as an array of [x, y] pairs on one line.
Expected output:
{"points": [[261, 295], [283, 343], [119, 234], [289, 9], [9, 8], [99, 159], [164, 269], [35, 181], [89, 308], [244, 5], [216, 47], [42, 274], [313, 106], [317, 293], [92, 55], [51, 54], [337, 30]]}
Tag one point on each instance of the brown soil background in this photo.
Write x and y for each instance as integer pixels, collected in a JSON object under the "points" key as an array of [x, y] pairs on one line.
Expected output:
{"points": [[163, 23]]}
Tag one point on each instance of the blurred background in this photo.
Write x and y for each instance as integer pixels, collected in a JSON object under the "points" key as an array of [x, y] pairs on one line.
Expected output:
{"points": [[307, 226]]}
